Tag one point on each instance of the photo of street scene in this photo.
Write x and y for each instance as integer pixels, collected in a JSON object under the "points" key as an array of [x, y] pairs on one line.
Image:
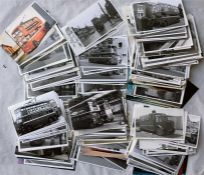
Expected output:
{"points": [[93, 23], [155, 15], [157, 122], [110, 53]]}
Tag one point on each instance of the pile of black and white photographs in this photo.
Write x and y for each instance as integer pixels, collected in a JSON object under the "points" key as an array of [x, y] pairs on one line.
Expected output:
{"points": [[165, 45], [42, 130], [78, 79], [162, 137]]}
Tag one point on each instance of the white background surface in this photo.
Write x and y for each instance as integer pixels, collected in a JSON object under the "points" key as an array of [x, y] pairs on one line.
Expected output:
{"points": [[12, 90]]}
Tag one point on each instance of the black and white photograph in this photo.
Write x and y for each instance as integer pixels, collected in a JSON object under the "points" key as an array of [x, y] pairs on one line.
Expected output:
{"points": [[95, 87], [115, 75], [92, 24], [181, 72], [112, 52], [49, 164], [159, 15], [58, 55], [192, 130], [36, 113], [160, 93], [54, 80], [54, 141], [93, 70], [154, 48], [47, 71], [64, 90], [153, 122], [97, 112], [50, 154], [157, 145]]}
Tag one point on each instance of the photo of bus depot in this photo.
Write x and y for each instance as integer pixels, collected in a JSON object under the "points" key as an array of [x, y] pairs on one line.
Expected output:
{"points": [[29, 29], [155, 123]]}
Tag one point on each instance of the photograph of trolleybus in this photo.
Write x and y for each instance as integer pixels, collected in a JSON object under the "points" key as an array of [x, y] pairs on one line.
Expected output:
{"points": [[95, 111], [156, 122], [29, 29], [157, 15], [110, 53]]}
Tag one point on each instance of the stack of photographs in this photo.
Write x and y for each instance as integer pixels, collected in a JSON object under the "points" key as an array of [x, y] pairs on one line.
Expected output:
{"points": [[165, 45], [43, 55], [104, 67], [76, 79], [162, 138], [42, 130], [101, 56]]}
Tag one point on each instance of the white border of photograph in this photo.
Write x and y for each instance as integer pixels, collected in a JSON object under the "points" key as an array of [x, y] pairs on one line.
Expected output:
{"points": [[66, 57]]}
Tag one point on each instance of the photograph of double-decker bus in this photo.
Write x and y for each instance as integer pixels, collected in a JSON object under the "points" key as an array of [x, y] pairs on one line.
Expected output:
{"points": [[29, 29]]}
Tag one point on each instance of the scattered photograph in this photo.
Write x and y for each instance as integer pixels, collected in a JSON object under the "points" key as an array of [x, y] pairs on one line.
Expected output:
{"points": [[97, 111], [154, 48], [113, 52], [99, 87], [158, 15], [54, 141], [110, 75], [36, 113], [47, 71], [50, 154], [65, 90], [62, 78], [50, 164], [92, 24], [159, 123], [29, 29], [60, 54], [160, 93]]}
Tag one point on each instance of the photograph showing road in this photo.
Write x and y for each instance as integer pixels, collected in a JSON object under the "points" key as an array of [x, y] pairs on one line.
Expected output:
{"points": [[93, 23]]}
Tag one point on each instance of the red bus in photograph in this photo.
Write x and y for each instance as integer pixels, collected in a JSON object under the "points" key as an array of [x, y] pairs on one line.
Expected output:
{"points": [[30, 33]]}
